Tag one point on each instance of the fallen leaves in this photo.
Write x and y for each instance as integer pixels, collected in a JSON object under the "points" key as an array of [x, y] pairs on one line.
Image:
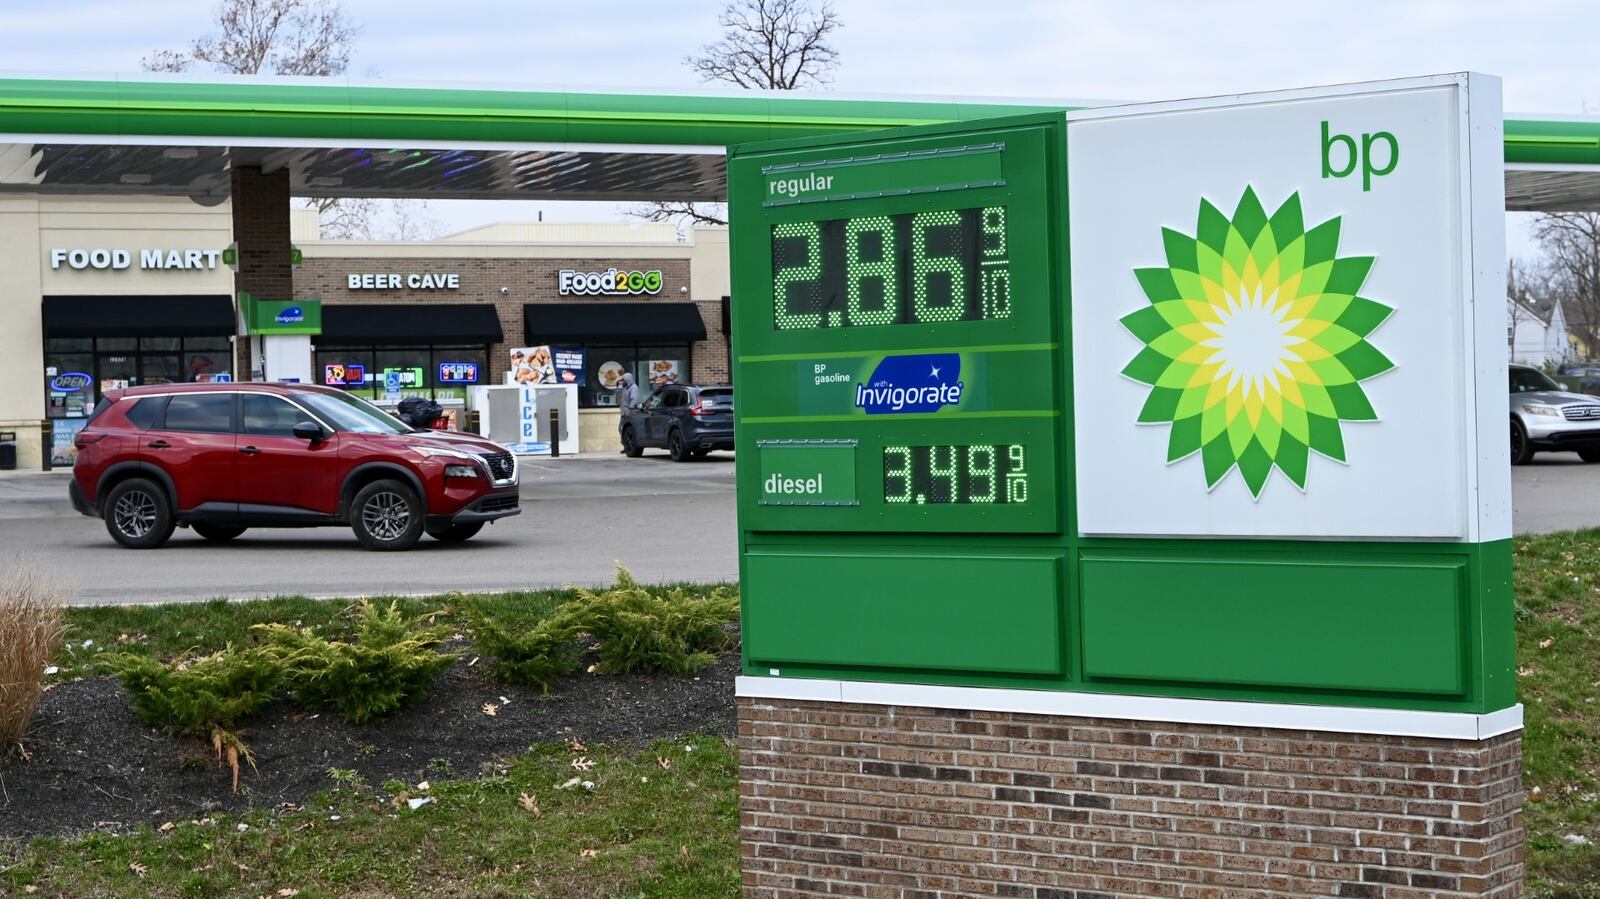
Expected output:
{"points": [[664, 762], [576, 746], [582, 763], [1547, 642], [588, 853], [168, 827], [491, 709], [138, 869], [530, 804]]}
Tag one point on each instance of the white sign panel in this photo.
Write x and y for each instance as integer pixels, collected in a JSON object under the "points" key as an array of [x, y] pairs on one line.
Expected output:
{"points": [[1288, 314]]}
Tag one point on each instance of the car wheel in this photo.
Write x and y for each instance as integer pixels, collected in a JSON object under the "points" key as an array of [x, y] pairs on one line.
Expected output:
{"points": [[138, 514], [387, 515], [456, 533], [1592, 455], [218, 533], [676, 447], [702, 452], [1521, 449], [630, 444]]}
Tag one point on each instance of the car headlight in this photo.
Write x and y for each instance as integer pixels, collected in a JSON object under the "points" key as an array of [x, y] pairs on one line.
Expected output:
{"points": [[430, 452], [1551, 411], [467, 472]]}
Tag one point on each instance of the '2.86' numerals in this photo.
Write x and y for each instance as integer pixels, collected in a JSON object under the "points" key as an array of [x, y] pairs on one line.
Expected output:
{"points": [[926, 267], [978, 474]]}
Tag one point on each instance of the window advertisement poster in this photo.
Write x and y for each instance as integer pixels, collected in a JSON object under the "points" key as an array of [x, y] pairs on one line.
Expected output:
{"points": [[532, 365], [662, 372], [344, 374], [63, 450], [458, 372], [569, 364]]}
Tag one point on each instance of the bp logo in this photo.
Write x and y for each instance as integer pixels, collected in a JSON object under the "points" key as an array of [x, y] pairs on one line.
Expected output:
{"points": [[1256, 342]]}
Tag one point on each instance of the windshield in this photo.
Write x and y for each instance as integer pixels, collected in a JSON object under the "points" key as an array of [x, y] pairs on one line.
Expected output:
{"points": [[1527, 380], [351, 413]]}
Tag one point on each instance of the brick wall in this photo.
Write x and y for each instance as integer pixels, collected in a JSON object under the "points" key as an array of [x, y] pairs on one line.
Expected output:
{"points": [[528, 280], [915, 803], [261, 229]]}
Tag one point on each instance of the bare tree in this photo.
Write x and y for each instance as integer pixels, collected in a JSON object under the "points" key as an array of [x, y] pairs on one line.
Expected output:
{"points": [[776, 45], [1571, 243], [297, 37], [278, 37]]}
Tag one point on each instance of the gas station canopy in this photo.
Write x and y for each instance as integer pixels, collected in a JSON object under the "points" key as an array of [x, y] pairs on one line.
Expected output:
{"points": [[179, 136]]}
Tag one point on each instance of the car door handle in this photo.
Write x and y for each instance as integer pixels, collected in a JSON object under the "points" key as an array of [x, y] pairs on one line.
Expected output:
{"points": [[249, 450], [159, 444]]}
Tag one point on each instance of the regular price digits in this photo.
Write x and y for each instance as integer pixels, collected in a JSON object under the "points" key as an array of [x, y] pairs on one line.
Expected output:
{"points": [[985, 473], [915, 268]]}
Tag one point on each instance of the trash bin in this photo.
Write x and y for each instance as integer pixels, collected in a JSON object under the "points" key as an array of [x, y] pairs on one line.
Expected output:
{"points": [[8, 450]]}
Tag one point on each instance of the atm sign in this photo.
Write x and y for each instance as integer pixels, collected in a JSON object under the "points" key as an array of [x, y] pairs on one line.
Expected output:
{"points": [[458, 373]]}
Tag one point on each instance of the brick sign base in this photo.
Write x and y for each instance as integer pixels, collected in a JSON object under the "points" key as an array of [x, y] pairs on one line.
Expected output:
{"points": [[916, 803]]}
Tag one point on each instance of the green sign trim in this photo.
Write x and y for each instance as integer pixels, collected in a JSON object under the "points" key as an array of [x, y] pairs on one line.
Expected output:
{"points": [[885, 175], [942, 413], [850, 354]]}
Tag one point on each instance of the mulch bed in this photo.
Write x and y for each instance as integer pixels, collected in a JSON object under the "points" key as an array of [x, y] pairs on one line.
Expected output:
{"points": [[95, 765]]}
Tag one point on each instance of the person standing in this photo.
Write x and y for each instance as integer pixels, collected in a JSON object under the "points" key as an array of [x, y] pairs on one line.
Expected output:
{"points": [[628, 398], [627, 403]]}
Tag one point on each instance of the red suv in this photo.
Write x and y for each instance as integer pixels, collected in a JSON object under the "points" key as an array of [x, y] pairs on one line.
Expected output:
{"points": [[221, 458]]}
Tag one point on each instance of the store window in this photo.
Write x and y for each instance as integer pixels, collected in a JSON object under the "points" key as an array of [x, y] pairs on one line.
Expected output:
{"points": [[440, 373], [79, 370], [652, 365]]}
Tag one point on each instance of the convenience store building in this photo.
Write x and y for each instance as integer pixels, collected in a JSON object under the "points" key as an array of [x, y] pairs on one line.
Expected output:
{"points": [[109, 292]]}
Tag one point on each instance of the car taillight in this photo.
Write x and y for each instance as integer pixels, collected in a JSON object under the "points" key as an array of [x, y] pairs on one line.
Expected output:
{"points": [[698, 410], [83, 439]]}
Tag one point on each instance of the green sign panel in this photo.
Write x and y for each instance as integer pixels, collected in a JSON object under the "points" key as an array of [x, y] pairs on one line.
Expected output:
{"points": [[808, 473], [280, 316]]}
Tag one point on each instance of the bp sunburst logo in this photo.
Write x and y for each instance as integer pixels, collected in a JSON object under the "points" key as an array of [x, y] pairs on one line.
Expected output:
{"points": [[1256, 342]]}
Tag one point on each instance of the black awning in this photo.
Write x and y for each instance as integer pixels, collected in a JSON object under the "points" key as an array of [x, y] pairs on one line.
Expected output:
{"points": [[410, 323], [203, 315], [612, 322]]}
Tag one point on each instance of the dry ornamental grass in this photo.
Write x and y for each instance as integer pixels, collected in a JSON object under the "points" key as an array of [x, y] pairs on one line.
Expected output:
{"points": [[31, 625]]}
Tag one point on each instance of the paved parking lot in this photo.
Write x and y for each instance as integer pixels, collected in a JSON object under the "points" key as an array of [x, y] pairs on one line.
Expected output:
{"points": [[665, 521]]}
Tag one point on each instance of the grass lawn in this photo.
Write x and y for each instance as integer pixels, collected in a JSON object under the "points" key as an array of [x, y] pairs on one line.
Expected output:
{"points": [[1558, 654], [660, 822], [646, 830]]}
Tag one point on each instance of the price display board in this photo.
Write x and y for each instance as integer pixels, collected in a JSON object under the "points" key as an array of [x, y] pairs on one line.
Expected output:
{"points": [[900, 298]]}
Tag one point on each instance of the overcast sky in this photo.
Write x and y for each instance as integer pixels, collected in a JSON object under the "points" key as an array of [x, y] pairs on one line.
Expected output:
{"points": [[1160, 49]]}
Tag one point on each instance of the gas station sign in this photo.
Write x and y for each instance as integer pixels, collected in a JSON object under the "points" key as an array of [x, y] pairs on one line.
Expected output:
{"points": [[1126, 400]]}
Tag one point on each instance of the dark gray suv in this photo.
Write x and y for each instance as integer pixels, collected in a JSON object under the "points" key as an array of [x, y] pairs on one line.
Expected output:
{"points": [[686, 421]]}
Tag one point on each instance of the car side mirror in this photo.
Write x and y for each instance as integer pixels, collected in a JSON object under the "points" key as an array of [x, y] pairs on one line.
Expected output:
{"points": [[1563, 386], [310, 430]]}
